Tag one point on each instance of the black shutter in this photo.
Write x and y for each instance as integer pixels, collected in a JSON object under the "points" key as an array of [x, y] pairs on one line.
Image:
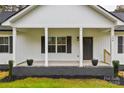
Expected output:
{"points": [[69, 44], [120, 44], [11, 44], [42, 44]]}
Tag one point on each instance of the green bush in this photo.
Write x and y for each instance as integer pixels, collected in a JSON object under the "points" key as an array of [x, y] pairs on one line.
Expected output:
{"points": [[10, 67], [116, 67]]}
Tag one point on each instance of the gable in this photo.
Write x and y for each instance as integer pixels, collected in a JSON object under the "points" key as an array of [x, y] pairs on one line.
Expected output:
{"points": [[60, 15]]}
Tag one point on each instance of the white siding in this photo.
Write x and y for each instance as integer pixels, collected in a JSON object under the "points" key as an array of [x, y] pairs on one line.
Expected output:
{"points": [[4, 57], [62, 16], [118, 56], [29, 45], [101, 41]]}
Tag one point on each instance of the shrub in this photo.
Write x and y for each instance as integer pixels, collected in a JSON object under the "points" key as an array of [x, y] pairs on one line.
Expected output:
{"points": [[116, 67], [29, 62], [10, 67]]}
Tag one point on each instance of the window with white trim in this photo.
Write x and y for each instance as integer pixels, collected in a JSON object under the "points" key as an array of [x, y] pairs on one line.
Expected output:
{"points": [[4, 44], [61, 44], [57, 44], [51, 44]]}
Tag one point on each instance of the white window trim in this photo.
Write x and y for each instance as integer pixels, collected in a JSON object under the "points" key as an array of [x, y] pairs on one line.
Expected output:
{"points": [[62, 44], [52, 44], [56, 44], [6, 44], [120, 44]]}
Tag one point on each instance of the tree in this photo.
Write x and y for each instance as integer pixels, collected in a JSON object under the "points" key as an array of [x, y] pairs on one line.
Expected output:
{"points": [[119, 8], [11, 7]]}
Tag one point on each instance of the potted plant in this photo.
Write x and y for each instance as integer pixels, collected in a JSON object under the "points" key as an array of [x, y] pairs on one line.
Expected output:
{"points": [[94, 62], [29, 62]]}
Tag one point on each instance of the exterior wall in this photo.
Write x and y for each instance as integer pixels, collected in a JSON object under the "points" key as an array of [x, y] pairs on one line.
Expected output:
{"points": [[4, 57], [59, 15], [118, 56], [101, 41], [29, 45]]}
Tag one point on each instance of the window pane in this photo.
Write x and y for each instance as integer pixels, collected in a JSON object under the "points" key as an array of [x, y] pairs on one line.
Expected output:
{"points": [[3, 48], [3, 40], [61, 40], [51, 48], [120, 49], [51, 40], [61, 49]]}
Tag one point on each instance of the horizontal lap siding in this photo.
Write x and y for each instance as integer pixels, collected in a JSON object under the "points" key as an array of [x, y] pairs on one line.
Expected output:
{"points": [[4, 57], [118, 56]]}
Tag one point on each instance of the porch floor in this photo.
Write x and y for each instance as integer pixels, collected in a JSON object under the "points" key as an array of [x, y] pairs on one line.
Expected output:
{"points": [[86, 63]]}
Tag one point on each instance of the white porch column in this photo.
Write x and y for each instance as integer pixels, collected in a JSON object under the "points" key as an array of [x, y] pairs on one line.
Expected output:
{"points": [[112, 44], [81, 46], [14, 43], [46, 47]]}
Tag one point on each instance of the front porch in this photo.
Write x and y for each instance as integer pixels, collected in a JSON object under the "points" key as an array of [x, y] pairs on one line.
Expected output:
{"points": [[87, 22], [85, 44], [86, 63]]}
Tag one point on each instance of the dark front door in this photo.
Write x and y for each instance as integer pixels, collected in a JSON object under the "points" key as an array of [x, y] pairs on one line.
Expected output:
{"points": [[87, 48]]}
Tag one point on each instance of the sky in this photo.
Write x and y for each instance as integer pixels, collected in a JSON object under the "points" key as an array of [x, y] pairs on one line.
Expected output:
{"points": [[109, 7]]}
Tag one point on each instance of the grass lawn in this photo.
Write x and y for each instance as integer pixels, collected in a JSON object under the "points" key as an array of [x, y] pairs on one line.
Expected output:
{"points": [[56, 83]]}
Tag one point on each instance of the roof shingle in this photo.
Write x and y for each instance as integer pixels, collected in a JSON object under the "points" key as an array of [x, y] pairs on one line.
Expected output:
{"points": [[3, 16], [121, 16]]}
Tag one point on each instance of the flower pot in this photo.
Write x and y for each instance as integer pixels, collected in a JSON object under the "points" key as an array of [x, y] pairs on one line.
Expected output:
{"points": [[29, 62], [94, 62]]}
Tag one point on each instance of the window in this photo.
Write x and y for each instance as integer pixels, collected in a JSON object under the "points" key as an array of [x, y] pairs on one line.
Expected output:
{"points": [[4, 44], [120, 44], [61, 44], [51, 44], [57, 44]]}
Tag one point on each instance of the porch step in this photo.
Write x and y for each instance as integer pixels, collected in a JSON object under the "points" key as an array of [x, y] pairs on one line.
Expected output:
{"points": [[63, 71]]}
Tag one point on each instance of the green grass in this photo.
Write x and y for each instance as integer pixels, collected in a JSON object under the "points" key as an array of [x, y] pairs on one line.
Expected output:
{"points": [[55, 83], [58, 83]]}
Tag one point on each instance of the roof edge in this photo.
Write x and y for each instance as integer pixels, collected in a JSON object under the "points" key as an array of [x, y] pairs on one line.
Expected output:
{"points": [[15, 13], [110, 13]]}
